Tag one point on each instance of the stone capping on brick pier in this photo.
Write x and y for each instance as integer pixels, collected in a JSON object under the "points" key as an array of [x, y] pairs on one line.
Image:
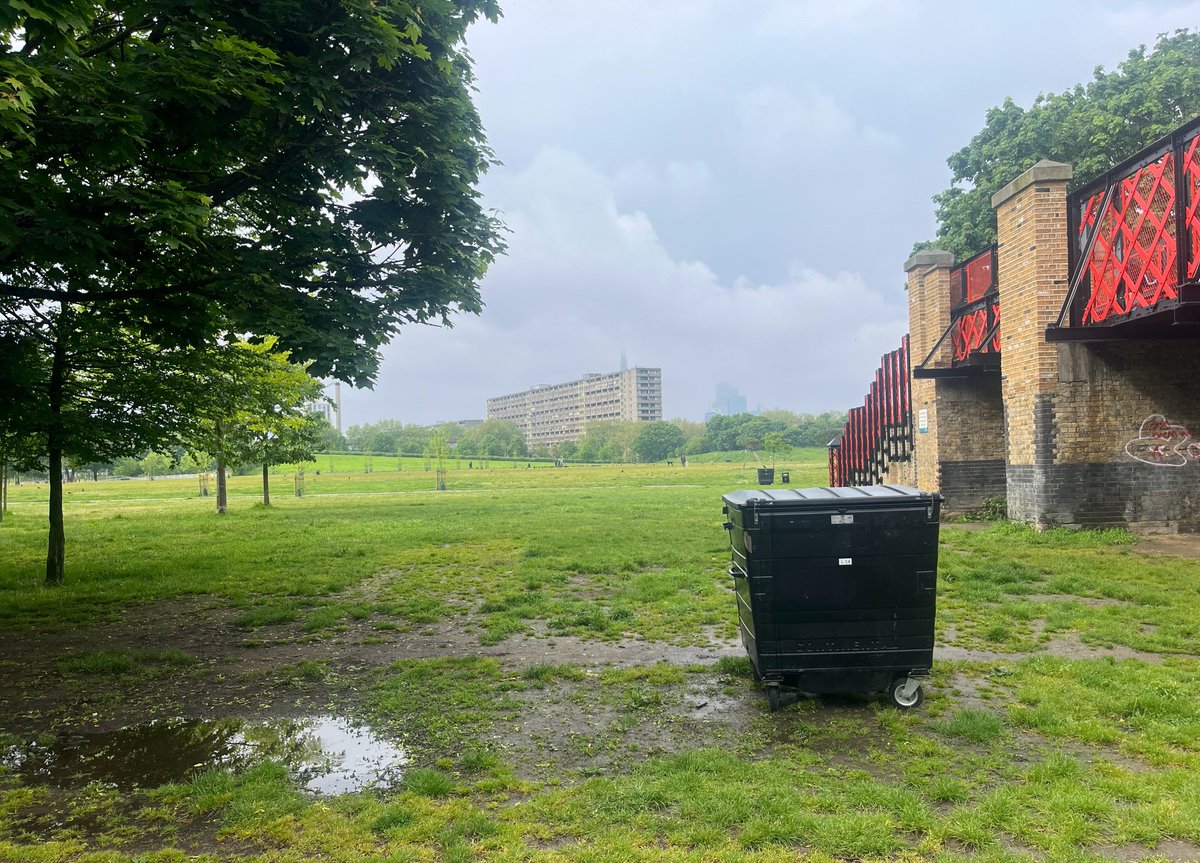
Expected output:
{"points": [[1043, 172]]}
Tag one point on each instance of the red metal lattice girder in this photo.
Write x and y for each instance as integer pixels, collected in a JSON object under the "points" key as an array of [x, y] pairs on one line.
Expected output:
{"points": [[969, 332], [1191, 220], [995, 345], [906, 377], [1132, 265]]}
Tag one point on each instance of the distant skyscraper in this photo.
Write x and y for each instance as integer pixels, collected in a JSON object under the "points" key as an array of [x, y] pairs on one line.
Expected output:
{"points": [[729, 401]]}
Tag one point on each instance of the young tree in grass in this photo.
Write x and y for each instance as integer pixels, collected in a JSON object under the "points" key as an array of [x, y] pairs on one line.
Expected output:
{"points": [[155, 464], [261, 413], [437, 451], [285, 437], [773, 445]]}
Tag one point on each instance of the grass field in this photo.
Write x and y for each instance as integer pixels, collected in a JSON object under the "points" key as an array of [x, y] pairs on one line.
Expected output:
{"points": [[552, 650]]}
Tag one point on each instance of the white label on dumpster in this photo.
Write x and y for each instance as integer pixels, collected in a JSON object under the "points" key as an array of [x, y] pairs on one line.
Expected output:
{"points": [[841, 519], [845, 561]]}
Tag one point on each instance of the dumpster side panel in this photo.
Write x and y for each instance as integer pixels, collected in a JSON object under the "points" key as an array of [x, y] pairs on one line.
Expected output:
{"points": [[853, 599], [836, 588]]}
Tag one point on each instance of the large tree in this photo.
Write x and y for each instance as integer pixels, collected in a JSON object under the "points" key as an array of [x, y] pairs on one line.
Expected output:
{"points": [[89, 391], [175, 172], [1093, 127], [657, 441], [297, 168]]}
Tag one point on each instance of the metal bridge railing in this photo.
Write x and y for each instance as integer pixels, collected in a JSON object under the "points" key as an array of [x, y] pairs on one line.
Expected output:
{"points": [[880, 431], [1134, 239]]}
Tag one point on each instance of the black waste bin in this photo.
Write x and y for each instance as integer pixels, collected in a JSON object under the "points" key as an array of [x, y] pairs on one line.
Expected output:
{"points": [[766, 475], [836, 587]]}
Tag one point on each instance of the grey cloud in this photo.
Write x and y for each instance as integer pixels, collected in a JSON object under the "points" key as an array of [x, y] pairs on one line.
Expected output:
{"points": [[697, 180]]}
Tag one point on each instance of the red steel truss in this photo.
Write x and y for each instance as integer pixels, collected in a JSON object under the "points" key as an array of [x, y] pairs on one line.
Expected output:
{"points": [[1132, 265], [880, 431], [1191, 220], [1135, 245], [974, 308]]}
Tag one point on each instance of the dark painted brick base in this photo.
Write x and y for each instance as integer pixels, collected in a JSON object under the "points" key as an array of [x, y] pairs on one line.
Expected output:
{"points": [[967, 484], [1106, 495]]}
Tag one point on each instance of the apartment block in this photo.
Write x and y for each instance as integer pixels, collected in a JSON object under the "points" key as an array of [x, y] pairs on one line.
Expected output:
{"points": [[550, 414]]}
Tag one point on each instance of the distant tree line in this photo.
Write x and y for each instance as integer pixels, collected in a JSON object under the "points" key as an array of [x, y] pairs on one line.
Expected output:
{"points": [[609, 441], [490, 439]]}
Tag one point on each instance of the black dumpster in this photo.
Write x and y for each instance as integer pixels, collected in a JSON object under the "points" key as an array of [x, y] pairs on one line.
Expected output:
{"points": [[836, 587]]}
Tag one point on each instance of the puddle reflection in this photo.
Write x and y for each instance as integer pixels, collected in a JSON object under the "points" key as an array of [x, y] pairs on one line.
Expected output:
{"points": [[327, 754]]}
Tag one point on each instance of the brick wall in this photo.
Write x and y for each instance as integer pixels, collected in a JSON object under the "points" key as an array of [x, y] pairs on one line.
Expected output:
{"points": [[1097, 434], [928, 316], [961, 454]]}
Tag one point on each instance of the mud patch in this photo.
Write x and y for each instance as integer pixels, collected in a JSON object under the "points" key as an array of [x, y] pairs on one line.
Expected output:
{"points": [[1067, 647], [1172, 545], [1089, 601], [1174, 850]]}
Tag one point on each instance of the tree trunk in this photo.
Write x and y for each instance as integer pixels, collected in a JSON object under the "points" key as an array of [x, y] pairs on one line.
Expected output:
{"points": [[266, 487], [222, 496], [222, 492], [56, 543], [3, 485]]}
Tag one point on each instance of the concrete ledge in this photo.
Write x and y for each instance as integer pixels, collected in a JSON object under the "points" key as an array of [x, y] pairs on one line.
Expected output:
{"points": [[929, 258], [1044, 171]]}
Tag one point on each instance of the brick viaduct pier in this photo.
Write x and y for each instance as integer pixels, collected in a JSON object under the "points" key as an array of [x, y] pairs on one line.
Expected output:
{"points": [[1056, 372]]}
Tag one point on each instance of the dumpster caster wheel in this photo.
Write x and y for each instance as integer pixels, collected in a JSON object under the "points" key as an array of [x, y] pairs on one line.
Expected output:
{"points": [[774, 699], [906, 693]]}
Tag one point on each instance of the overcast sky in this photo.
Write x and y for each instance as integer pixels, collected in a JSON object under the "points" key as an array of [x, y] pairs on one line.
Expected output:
{"points": [[726, 190]]}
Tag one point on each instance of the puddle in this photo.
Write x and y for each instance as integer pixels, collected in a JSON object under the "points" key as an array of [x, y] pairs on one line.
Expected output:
{"points": [[327, 755]]}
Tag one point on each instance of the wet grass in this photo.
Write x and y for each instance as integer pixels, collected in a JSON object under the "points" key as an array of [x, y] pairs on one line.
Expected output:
{"points": [[1041, 757]]}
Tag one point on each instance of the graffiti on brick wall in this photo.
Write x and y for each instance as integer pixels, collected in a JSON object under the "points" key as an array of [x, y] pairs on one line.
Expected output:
{"points": [[1163, 443]]}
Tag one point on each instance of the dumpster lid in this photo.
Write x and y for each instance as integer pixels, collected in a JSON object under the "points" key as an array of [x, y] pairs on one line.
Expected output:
{"points": [[825, 496]]}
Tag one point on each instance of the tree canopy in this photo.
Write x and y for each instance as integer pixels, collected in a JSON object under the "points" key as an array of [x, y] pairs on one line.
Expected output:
{"points": [[299, 169], [1092, 127], [657, 441], [177, 175]]}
